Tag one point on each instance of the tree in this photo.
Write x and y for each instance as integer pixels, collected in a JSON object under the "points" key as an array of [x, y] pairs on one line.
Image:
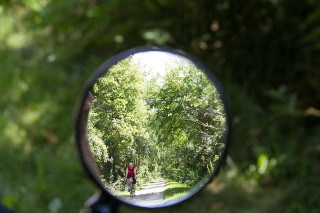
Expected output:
{"points": [[189, 121], [118, 122]]}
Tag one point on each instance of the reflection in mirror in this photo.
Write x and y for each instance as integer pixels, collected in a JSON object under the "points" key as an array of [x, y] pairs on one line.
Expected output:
{"points": [[156, 128]]}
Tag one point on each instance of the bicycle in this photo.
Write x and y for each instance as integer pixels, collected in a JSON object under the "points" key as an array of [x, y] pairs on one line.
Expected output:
{"points": [[131, 188]]}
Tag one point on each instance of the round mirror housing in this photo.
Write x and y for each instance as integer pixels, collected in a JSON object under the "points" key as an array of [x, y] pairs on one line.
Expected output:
{"points": [[152, 127]]}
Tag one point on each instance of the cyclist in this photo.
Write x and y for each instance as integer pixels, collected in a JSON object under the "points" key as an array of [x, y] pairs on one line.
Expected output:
{"points": [[131, 174]]}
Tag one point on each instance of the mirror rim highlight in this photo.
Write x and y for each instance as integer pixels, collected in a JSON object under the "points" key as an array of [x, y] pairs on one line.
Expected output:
{"points": [[81, 123]]}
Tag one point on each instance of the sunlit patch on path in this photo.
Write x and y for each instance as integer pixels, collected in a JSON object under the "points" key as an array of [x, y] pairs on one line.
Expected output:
{"points": [[150, 195]]}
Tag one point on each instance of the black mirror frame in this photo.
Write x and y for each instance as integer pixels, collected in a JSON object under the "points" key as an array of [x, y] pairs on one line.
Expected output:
{"points": [[80, 122]]}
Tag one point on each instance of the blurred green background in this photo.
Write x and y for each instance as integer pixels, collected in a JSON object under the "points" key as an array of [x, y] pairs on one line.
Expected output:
{"points": [[266, 54]]}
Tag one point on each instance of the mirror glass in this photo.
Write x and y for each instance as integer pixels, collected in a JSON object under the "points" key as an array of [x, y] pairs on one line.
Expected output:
{"points": [[156, 128]]}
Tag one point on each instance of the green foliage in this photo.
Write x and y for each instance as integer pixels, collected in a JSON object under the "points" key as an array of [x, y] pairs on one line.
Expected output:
{"points": [[119, 116], [189, 121], [266, 54]]}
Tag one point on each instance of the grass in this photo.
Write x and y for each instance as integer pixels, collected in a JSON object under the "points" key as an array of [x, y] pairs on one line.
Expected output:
{"points": [[174, 189]]}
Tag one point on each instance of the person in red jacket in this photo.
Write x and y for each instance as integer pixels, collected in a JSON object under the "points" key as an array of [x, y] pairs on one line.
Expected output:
{"points": [[131, 173]]}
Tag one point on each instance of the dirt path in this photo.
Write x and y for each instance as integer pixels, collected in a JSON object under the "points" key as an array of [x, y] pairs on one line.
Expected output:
{"points": [[150, 195]]}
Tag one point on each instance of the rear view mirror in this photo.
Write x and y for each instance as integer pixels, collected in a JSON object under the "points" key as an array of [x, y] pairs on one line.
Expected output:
{"points": [[152, 128]]}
